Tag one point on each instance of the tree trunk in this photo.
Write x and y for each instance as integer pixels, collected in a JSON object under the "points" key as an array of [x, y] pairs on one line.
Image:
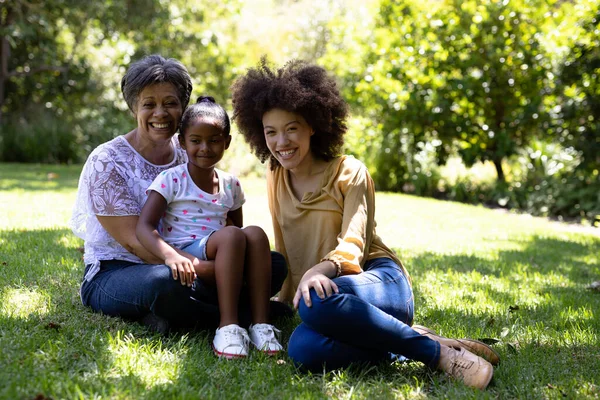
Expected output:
{"points": [[4, 56], [499, 170], [4, 51]]}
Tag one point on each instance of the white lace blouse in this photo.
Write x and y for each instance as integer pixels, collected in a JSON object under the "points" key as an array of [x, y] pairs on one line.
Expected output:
{"points": [[113, 182]]}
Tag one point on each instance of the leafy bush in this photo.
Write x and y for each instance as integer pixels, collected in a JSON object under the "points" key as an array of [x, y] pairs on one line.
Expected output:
{"points": [[47, 140]]}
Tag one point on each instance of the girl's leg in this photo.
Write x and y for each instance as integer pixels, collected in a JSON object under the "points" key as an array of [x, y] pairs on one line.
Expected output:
{"points": [[373, 311], [227, 247], [258, 273]]}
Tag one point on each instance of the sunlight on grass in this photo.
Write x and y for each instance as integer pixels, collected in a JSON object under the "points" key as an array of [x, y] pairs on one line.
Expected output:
{"points": [[30, 210], [145, 359], [23, 303], [476, 272], [578, 314]]}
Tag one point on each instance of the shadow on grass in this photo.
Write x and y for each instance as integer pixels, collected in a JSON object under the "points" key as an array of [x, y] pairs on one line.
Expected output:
{"points": [[71, 344], [533, 300]]}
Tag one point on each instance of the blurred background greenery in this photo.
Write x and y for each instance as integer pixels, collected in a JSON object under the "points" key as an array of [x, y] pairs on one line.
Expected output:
{"points": [[478, 101]]}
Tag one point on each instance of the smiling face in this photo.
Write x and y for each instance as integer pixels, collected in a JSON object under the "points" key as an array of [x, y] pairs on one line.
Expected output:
{"points": [[158, 111], [204, 143], [288, 138]]}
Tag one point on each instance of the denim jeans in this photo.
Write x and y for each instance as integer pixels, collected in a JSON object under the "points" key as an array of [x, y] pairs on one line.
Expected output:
{"points": [[367, 321], [129, 290]]}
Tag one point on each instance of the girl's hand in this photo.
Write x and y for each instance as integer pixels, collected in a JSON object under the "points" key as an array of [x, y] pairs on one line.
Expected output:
{"points": [[315, 279], [182, 269]]}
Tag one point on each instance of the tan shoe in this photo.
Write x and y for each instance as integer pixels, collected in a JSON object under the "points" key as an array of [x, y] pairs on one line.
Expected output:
{"points": [[474, 346], [461, 364]]}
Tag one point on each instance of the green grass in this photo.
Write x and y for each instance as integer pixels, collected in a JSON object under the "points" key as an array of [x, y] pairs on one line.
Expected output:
{"points": [[476, 272]]}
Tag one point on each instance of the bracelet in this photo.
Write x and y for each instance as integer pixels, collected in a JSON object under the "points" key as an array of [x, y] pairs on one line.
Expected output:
{"points": [[337, 264]]}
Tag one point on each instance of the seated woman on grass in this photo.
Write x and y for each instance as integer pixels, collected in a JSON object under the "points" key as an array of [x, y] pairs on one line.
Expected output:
{"points": [[353, 294], [122, 277]]}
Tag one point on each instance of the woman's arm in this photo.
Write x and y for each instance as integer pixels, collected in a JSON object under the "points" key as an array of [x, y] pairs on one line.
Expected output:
{"points": [[358, 221], [318, 278], [356, 232], [122, 229]]}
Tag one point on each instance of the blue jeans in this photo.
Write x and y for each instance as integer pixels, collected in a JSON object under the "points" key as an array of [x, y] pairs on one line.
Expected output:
{"points": [[130, 290], [367, 320]]}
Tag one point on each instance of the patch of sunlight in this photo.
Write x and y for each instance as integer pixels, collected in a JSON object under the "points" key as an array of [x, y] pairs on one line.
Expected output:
{"points": [[23, 303], [145, 359], [68, 241], [45, 209], [577, 314]]}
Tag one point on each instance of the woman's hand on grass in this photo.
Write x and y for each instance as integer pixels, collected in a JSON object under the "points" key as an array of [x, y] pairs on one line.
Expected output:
{"points": [[316, 278]]}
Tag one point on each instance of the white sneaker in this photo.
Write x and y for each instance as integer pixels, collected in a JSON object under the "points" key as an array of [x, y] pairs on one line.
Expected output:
{"points": [[231, 341], [263, 337]]}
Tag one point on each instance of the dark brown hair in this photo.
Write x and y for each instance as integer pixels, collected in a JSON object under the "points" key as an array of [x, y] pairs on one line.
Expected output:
{"points": [[298, 87]]}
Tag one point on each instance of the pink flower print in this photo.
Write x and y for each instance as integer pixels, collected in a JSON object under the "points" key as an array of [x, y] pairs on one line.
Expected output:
{"points": [[184, 175], [162, 185], [193, 236], [208, 219], [203, 228], [237, 183], [201, 195], [175, 180], [214, 200], [185, 212]]}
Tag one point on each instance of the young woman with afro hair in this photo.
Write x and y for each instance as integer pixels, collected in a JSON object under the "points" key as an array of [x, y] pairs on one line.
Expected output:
{"points": [[351, 291]]}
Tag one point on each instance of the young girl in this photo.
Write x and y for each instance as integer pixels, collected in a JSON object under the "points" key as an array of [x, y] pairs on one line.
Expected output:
{"points": [[195, 210], [353, 294]]}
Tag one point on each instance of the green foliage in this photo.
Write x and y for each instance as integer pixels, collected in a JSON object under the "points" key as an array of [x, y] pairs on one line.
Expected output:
{"points": [[470, 76], [66, 58], [45, 139], [577, 115]]}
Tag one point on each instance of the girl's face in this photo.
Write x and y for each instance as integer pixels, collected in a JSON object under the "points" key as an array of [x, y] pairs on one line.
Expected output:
{"points": [[288, 138], [158, 111], [204, 143]]}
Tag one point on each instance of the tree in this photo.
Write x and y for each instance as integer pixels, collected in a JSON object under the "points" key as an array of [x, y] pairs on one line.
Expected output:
{"points": [[61, 62], [468, 74], [579, 100]]}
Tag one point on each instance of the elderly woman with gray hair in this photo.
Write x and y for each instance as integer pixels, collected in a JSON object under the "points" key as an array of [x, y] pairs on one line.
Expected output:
{"points": [[121, 277]]}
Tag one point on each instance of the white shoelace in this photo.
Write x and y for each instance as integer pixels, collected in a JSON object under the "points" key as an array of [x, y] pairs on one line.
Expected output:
{"points": [[267, 333], [236, 336]]}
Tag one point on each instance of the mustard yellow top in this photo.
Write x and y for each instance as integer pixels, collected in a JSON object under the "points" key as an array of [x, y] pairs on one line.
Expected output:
{"points": [[336, 222]]}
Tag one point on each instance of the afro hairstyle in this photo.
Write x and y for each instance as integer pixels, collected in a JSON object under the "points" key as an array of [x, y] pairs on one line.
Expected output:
{"points": [[298, 87]]}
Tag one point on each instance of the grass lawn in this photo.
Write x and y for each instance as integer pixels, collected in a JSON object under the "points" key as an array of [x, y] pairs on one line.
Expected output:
{"points": [[476, 272]]}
